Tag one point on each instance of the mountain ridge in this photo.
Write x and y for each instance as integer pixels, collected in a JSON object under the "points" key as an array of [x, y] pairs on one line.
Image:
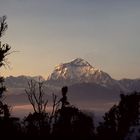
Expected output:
{"points": [[78, 71], [75, 72], [96, 89]]}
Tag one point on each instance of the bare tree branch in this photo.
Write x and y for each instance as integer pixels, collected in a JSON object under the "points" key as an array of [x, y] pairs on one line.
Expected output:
{"points": [[35, 93]]}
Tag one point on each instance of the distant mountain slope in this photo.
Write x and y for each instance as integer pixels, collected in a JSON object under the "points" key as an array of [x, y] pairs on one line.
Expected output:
{"points": [[92, 96], [79, 71], [86, 84], [130, 84], [92, 91], [20, 81]]}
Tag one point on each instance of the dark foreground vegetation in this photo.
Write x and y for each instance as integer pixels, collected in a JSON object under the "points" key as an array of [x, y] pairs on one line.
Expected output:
{"points": [[64, 121], [68, 122]]}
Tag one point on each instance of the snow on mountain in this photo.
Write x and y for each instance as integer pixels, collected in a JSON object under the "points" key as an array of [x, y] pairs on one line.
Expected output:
{"points": [[84, 81], [79, 71], [89, 87]]}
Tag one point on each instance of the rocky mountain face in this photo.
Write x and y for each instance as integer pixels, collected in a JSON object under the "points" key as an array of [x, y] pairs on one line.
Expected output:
{"points": [[79, 71]]}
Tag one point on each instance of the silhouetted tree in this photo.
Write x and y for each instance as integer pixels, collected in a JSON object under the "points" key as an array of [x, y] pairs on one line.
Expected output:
{"points": [[120, 118], [64, 100], [37, 123], [63, 121], [70, 122], [9, 126], [4, 51], [35, 93], [55, 108]]}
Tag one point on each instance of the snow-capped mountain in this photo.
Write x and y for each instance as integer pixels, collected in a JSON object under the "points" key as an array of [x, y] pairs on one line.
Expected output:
{"points": [[85, 83], [79, 71], [89, 87]]}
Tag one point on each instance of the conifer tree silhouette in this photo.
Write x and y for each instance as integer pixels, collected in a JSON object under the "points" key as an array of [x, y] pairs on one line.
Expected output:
{"points": [[120, 118]]}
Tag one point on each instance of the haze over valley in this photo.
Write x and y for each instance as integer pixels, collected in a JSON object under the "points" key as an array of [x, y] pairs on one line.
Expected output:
{"points": [[89, 88]]}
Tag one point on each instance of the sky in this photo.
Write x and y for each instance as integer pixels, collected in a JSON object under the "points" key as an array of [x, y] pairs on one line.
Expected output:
{"points": [[45, 33]]}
